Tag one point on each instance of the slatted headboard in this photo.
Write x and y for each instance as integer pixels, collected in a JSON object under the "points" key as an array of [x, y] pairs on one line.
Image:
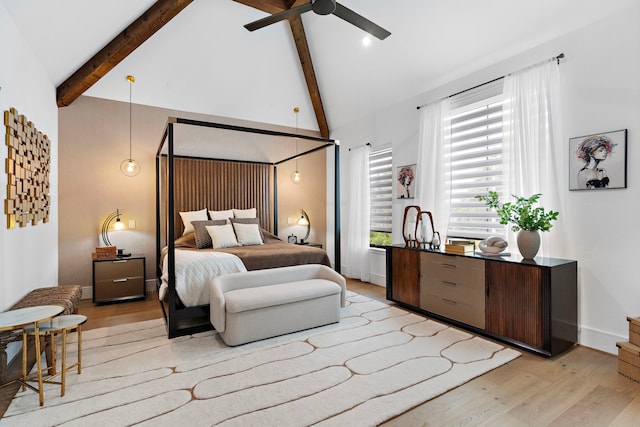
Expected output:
{"points": [[221, 185]]}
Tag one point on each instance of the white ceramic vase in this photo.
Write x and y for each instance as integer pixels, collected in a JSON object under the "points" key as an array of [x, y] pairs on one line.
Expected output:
{"points": [[528, 243]]}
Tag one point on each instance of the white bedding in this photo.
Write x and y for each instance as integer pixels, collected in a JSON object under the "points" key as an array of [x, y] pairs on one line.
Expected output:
{"points": [[195, 270]]}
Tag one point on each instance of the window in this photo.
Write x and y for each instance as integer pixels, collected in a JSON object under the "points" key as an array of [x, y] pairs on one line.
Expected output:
{"points": [[381, 189], [476, 161]]}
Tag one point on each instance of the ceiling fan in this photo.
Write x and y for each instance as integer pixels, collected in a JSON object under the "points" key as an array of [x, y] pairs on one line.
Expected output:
{"points": [[323, 7]]}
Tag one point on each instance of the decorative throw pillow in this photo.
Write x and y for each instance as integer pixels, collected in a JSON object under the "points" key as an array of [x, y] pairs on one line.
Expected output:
{"points": [[203, 239], [247, 234], [244, 213], [248, 221], [222, 236], [189, 216], [221, 214]]}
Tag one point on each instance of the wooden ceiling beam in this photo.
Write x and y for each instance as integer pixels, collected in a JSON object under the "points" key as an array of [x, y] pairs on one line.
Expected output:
{"points": [[268, 6], [161, 12], [300, 38], [304, 54]]}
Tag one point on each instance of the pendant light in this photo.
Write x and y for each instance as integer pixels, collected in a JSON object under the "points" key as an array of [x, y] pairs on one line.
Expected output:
{"points": [[130, 167], [296, 176]]}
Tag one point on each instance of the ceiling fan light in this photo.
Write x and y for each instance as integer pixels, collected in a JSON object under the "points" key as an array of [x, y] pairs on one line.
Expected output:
{"points": [[366, 40]]}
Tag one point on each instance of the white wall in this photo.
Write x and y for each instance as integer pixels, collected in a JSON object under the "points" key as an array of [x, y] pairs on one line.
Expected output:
{"points": [[601, 92], [28, 255]]}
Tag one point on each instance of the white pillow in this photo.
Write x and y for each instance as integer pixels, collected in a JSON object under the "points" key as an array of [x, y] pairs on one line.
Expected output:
{"points": [[189, 216], [221, 214], [222, 236], [248, 234], [244, 213]]}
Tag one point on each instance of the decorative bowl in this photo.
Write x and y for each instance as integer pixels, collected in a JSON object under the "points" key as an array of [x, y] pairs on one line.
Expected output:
{"points": [[492, 246]]}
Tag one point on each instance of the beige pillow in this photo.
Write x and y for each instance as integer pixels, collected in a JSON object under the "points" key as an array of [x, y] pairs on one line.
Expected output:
{"points": [[189, 216], [202, 237], [221, 214], [248, 221], [244, 213], [222, 236], [247, 234]]}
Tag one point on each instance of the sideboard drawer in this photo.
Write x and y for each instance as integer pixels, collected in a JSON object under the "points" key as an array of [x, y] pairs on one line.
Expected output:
{"points": [[473, 315], [453, 269], [453, 287]]}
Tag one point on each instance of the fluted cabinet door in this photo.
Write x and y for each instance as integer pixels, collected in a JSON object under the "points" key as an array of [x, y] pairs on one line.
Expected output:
{"points": [[515, 302], [406, 276]]}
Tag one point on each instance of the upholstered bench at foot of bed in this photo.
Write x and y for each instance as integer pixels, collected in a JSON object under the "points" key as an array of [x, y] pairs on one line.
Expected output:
{"points": [[261, 304]]}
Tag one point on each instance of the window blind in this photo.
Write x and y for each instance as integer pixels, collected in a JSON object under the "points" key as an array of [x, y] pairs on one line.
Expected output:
{"points": [[476, 161], [381, 188]]}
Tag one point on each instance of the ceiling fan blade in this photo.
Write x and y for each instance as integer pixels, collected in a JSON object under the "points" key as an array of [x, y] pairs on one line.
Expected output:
{"points": [[361, 22], [276, 17]]}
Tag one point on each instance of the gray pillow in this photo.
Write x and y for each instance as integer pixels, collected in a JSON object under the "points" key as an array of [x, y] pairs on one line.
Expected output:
{"points": [[203, 239]]}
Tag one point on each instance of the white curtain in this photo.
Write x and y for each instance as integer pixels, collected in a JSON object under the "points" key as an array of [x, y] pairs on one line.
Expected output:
{"points": [[534, 152], [433, 185], [357, 237]]}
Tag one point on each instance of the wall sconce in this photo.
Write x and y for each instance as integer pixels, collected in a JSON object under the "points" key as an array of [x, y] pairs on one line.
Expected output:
{"points": [[304, 220], [296, 176], [130, 167], [119, 225]]}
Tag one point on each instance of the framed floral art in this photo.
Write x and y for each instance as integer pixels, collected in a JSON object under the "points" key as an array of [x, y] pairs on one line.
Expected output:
{"points": [[406, 179]]}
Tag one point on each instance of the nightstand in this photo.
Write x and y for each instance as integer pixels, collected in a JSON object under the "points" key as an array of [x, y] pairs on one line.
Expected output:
{"points": [[118, 279], [313, 245]]}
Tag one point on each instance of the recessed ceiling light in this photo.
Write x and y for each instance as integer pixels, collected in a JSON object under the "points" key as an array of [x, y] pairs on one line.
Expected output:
{"points": [[366, 40]]}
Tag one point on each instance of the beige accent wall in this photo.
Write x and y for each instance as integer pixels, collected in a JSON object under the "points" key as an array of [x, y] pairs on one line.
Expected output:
{"points": [[309, 195], [94, 139]]}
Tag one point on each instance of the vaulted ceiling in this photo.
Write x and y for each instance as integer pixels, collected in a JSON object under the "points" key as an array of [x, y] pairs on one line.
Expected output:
{"points": [[195, 55]]}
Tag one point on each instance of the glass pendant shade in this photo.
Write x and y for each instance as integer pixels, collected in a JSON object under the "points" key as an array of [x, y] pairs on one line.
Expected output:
{"points": [[130, 167], [296, 177]]}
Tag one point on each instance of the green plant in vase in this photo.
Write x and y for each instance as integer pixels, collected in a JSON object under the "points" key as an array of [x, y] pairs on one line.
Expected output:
{"points": [[525, 218]]}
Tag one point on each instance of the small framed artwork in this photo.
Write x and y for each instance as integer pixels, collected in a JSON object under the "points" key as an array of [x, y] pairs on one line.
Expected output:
{"points": [[598, 161], [406, 179]]}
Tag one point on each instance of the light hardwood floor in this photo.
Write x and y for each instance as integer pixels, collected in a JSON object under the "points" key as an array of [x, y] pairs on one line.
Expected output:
{"points": [[581, 387]]}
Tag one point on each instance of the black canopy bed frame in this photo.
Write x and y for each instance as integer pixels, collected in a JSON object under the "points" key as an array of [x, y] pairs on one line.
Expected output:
{"points": [[182, 320]]}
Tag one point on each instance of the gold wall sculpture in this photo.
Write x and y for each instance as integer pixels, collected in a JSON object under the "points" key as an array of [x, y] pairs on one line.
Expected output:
{"points": [[27, 165]]}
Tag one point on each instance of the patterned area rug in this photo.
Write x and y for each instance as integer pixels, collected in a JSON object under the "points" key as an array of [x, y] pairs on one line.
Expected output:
{"points": [[378, 362]]}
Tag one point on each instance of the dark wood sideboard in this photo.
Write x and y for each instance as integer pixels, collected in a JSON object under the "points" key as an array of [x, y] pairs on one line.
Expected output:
{"points": [[530, 304]]}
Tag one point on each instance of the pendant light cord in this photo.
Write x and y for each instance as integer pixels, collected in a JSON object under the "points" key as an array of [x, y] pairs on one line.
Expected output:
{"points": [[295, 110], [130, 121]]}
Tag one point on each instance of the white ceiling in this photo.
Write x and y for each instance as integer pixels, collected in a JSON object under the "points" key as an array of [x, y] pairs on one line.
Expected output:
{"points": [[205, 61]]}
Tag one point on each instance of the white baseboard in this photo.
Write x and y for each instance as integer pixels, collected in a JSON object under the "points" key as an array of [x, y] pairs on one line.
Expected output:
{"points": [[600, 340], [87, 292], [379, 279]]}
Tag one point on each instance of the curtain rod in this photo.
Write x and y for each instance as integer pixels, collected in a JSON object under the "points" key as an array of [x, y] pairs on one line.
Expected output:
{"points": [[556, 58], [368, 144]]}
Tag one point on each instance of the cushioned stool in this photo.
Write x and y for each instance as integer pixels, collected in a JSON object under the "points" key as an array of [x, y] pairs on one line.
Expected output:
{"points": [[62, 324]]}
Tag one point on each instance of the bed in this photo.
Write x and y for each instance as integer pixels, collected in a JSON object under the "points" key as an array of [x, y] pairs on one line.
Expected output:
{"points": [[195, 169], [196, 267]]}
